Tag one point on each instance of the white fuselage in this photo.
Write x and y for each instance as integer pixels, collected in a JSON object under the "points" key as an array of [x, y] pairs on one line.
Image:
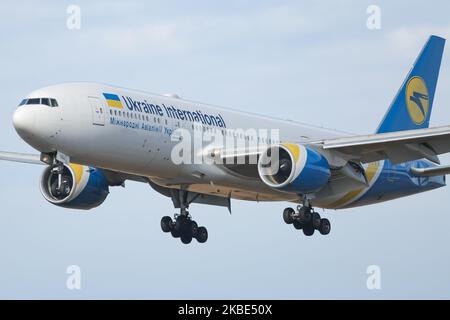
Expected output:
{"points": [[136, 139]]}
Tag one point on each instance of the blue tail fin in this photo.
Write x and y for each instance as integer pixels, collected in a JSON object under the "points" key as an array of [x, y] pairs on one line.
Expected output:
{"points": [[411, 108]]}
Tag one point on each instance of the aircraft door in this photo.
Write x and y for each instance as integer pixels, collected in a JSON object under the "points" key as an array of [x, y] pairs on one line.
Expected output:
{"points": [[98, 111]]}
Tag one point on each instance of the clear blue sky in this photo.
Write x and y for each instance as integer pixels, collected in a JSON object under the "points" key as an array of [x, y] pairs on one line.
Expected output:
{"points": [[315, 63]]}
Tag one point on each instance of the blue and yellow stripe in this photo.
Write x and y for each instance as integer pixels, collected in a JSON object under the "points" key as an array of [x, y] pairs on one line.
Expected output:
{"points": [[373, 170]]}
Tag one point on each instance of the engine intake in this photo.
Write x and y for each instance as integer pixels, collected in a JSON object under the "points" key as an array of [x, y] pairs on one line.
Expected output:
{"points": [[294, 168], [74, 186]]}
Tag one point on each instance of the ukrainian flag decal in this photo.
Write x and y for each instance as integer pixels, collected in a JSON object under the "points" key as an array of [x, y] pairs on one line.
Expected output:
{"points": [[113, 100]]}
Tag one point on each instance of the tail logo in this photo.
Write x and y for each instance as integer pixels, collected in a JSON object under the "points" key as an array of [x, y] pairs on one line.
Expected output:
{"points": [[417, 100]]}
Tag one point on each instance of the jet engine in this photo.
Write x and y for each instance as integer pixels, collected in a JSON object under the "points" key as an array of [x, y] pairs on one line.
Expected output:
{"points": [[294, 168], [74, 186]]}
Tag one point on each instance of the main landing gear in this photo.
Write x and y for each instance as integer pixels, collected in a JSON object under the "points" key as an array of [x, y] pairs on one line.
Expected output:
{"points": [[307, 220], [182, 226]]}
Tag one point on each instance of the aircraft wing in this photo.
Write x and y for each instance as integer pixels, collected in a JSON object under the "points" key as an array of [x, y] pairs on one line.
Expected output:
{"points": [[399, 146], [21, 157]]}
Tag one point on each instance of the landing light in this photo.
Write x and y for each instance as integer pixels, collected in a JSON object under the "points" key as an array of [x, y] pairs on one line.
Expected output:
{"points": [[46, 158]]}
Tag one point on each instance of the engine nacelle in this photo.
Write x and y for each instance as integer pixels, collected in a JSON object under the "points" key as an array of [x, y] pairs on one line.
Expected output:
{"points": [[77, 187], [294, 168]]}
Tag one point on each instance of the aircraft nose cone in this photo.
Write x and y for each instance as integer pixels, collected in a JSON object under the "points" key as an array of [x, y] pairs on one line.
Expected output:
{"points": [[24, 121]]}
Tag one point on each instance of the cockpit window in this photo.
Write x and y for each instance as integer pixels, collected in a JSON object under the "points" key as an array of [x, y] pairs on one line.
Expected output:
{"points": [[54, 102], [34, 101], [44, 101]]}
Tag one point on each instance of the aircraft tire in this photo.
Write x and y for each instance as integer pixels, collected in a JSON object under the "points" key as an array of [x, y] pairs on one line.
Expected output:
{"points": [[287, 215], [325, 226], [166, 224], [202, 235], [297, 225], [316, 220], [193, 228], [308, 230]]}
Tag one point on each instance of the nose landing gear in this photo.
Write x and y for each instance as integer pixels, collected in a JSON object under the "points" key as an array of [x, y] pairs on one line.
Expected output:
{"points": [[307, 220]]}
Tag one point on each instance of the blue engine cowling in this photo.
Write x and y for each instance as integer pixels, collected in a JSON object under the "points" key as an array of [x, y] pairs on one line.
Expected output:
{"points": [[294, 168], [76, 187]]}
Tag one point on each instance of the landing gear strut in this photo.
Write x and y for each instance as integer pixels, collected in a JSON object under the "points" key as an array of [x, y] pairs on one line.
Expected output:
{"points": [[182, 226], [307, 220]]}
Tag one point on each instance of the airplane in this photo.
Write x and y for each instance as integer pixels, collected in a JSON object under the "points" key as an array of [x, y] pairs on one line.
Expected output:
{"points": [[93, 136]]}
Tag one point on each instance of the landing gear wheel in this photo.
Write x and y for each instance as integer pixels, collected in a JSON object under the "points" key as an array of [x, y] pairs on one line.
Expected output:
{"points": [[325, 226], [180, 223], [202, 235], [186, 238], [175, 233], [308, 216], [304, 214], [316, 220], [287, 215], [193, 228], [298, 225], [308, 230], [166, 224]]}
